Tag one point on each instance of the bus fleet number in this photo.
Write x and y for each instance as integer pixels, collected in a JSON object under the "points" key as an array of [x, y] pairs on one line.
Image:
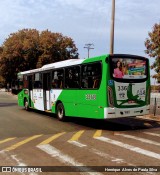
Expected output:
{"points": [[122, 88], [90, 96]]}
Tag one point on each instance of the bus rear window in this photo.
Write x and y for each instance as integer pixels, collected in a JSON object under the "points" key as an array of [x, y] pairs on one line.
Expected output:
{"points": [[129, 68]]}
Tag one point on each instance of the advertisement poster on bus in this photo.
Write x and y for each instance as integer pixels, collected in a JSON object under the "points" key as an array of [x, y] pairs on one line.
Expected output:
{"points": [[129, 68]]}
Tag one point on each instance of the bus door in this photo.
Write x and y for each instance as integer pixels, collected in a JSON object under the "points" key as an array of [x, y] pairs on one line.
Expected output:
{"points": [[30, 87], [38, 92], [46, 90]]}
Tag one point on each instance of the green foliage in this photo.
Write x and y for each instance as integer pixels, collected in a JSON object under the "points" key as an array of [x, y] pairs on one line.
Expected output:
{"points": [[152, 44], [29, 49]]}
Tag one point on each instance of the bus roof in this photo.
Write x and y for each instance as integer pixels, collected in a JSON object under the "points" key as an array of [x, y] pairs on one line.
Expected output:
{"points": [[64, 63], [72, 62]]}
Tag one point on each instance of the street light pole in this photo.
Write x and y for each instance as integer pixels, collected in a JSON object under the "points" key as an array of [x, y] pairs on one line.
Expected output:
{"points": [[112, 28], [88, 47]]}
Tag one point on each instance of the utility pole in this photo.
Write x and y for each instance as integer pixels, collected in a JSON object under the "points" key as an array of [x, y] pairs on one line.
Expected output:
{"points": [[112, 28], [88, 47]]}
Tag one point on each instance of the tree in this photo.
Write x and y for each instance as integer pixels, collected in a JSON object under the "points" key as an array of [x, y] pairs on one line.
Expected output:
{"points": [[29, 49], [19, 53], [152, 44], [55, 47], [1, 78]]}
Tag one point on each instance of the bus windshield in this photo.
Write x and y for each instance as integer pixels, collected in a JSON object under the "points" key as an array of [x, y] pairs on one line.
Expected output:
{"points": [[129, 68]]}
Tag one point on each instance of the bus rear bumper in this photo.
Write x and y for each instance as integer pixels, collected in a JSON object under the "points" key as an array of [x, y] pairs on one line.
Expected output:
{"points": [[125, 112]]}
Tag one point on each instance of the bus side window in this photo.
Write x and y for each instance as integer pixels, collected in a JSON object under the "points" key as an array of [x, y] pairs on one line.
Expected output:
{"points": [[72, 77], [57, 79], [25, 82], [97, 74], [91, 76], [37, 81], [30, 81], [37, 85]]}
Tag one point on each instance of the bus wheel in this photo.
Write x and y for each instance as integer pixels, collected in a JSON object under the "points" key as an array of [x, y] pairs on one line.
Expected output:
{"points": [[26, 105], [60, 112]]}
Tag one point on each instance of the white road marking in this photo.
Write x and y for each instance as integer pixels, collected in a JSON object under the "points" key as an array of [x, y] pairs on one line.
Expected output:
{"points": [[112, 158], [107, 156], [100, 153], [14, 157], [20, 163], [76, 143], [152, 134], [64, 158], [139, 139], [130, 147]]}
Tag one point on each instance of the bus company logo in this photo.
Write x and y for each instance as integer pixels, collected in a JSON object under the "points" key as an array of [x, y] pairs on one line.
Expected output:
{"points": [[6, 169]]}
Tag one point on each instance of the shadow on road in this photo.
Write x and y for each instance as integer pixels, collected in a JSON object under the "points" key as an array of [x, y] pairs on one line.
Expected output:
{"points": [[7, 104], [121, 124]]}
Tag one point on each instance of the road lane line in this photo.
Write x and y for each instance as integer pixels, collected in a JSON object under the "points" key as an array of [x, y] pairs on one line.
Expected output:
{"points": [[76, 136], [13, 157], [64, 158], [7, 140], [20, 163], [117, 160], [21, 143], [76, 143], [140, 139], [152, 134], [106, 156], [98, 133], [112, 158], [100, 153], [50, 139], [130, 147]]}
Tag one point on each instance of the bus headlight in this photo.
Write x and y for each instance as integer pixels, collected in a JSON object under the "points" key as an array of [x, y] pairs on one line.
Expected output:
{"points": [[25, 91]]}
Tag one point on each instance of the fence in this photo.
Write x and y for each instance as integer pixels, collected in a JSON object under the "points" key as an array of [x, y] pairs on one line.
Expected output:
{"points": [[155, 104]]}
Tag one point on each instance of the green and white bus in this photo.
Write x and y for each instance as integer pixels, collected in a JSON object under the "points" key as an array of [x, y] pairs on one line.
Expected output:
{"points": [[107, 86]]}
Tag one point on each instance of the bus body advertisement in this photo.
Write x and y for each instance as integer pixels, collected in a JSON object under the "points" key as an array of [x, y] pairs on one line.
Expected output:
{"points": [[108, 86]]}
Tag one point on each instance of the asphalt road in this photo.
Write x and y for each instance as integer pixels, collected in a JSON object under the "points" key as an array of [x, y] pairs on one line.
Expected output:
{"points": [[39, 139]]}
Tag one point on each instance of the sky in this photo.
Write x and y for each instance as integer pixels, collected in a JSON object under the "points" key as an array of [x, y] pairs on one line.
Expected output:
{"points": [[85, 21]]}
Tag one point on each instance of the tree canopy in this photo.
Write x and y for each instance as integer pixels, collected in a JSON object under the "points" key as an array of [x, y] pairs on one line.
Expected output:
{"points": [[152, 44], [29, 49]]}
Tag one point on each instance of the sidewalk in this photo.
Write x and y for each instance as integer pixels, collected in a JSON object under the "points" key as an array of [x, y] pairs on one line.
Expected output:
{"points": [[8, 93], [151, 117], [2, 90], [14, 95]]}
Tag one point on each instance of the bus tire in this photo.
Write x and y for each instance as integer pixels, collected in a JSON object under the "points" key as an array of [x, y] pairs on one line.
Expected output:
{"points": [[26, 105], [60, 112]]}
